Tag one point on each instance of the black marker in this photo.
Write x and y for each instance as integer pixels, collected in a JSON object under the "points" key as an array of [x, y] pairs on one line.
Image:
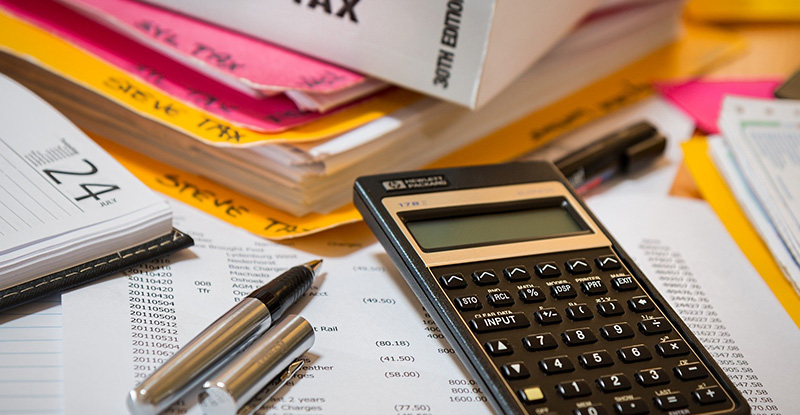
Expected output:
{"points": [[620, 152], [221, 341]]}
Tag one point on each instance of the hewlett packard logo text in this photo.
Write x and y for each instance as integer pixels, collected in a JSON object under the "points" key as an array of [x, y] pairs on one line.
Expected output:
{"points": [[415, 183]]}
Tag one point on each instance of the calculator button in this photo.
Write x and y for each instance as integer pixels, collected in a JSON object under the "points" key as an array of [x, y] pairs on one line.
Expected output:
{"points": [[576, 337], [617, 331], [613, 383], [690, 371], [516, 273], [709, 395], [547, 316], [562, 291], [499, 347], [578, 266], [547, 270], [672, 348], [593, 360], [594, 287], [579, 312], [591, 410], [624, 283], [500, 299], [573, 389], [607, 262], [497, 323], [541, 341], [655, 326], [558, 364], [652, 377], [635, 353], [610, 308], [632, 407], [532, 295], [641, 304], [671, 402], [453, 281], [468, 302], [532, 394], [485, 277], [515, 370]]}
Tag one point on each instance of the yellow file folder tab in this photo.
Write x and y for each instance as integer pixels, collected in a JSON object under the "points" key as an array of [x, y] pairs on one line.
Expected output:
{"points": [[219, 201], [744, 10], [698, 49], [60, 57], [714, 190]]}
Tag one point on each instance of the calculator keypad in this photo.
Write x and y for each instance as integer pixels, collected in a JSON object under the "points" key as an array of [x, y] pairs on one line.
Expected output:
{"points": [[578, 335]]}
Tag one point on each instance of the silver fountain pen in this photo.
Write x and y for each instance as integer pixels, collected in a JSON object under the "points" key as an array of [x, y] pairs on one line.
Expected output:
{"points": [[221, 341]]}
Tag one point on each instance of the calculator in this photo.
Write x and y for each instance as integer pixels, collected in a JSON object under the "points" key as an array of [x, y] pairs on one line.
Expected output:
{"points": [[539, 302]]}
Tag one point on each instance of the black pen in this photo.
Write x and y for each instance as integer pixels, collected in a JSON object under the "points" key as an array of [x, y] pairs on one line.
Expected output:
{"points": [[221, 341], [620, 152]]}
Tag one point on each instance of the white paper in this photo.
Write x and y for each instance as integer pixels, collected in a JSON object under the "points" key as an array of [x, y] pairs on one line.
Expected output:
{"points": [[752, 208], [764, 139], [31, 372], [376, 351], [685, 251]]}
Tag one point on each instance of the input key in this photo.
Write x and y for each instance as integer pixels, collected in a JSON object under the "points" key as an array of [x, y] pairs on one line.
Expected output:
{"points": [[498, 323]]}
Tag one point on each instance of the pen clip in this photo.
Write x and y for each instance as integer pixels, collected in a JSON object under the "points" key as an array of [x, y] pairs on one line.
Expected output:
{"points": [[270, 388]]}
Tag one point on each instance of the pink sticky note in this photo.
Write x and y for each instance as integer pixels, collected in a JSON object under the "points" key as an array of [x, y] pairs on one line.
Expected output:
{"points": [[268, 114], [258, 64], [702, 100]]}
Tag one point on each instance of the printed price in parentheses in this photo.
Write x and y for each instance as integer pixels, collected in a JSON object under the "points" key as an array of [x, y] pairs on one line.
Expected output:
{"points": [[392, 343], [397, 359], [412, 409], [401, 375], [369, 300], [78, 186]]}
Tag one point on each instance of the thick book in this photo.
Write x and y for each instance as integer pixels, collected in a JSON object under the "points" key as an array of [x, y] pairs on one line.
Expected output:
{"points": [[462, 52], [69, 212]]}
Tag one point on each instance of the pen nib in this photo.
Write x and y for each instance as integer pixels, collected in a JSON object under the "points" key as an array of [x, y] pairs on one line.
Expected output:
{"points": [[314, 265]]}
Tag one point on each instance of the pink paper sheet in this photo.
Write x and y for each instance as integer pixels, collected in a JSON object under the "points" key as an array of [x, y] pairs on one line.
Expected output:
{"points": [[269, 114], [258, 64], [702, 100]]}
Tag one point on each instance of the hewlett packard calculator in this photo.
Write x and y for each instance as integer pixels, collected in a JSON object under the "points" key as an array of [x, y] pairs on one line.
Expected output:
{"points": [[540, 303]]}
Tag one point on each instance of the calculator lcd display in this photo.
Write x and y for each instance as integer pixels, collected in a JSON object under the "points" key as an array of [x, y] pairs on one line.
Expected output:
{"points": [[494, 228]]}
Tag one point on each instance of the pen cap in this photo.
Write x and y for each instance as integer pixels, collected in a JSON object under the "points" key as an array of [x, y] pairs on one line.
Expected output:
{"points": [[256, 366], [644, 152]]}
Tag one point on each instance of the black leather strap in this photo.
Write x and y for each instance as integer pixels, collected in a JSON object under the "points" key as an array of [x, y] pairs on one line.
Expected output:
{"points": [[93, 270]]}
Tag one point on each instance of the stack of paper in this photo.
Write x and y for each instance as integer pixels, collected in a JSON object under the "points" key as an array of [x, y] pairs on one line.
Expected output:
{"points": [[177, 101], [759, 156], [317, 176]]}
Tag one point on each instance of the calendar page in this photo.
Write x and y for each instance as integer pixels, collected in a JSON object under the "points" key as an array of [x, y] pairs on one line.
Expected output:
{"points": [[57, 185]]}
